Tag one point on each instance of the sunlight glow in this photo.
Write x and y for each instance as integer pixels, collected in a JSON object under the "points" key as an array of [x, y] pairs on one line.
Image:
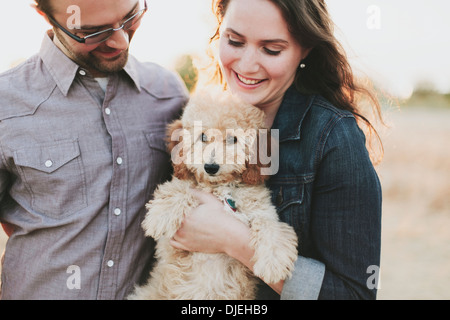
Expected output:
{"points": [[396, 43]]}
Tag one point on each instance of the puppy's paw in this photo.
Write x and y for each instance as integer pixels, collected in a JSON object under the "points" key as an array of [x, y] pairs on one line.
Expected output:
{"points": [[161, 220], [275, 252], [165, 213]]}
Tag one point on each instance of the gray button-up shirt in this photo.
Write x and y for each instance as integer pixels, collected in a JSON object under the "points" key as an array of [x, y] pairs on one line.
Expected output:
{"points": [[77, 166]]}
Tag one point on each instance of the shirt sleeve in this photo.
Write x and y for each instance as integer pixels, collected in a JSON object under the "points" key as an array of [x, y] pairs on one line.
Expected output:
{"points": [[345, 221], [4, 179]]}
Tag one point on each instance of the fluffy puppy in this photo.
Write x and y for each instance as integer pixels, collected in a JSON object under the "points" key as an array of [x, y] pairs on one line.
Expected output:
{"points": [[214, 148]]}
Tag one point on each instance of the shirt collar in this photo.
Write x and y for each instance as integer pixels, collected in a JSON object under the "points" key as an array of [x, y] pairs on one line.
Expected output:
{"points": [[132, 71], [64, 70], [291, 114]]}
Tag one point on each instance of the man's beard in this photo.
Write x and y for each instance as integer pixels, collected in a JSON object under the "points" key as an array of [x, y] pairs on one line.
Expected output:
{"points": [[93, 63]]}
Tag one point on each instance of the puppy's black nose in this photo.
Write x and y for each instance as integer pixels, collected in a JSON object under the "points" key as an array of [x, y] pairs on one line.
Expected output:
{"points": [[211, 168]]}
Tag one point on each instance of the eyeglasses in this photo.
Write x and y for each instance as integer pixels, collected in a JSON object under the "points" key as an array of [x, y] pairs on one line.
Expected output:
{"points": [[101, 36]]}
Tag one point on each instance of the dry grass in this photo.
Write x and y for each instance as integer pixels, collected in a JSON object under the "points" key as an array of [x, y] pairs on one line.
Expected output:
{"points": [[415, 175], [416, 213]]}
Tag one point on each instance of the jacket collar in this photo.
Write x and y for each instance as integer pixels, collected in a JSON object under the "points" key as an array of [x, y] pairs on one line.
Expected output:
{"points": [[63, 70], [291, 114]]}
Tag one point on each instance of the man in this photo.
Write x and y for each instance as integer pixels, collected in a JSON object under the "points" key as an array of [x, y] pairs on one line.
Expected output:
{"points": [[82, 129]]}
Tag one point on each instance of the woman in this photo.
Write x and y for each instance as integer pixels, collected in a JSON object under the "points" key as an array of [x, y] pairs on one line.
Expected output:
{"points": [[281, 56]]}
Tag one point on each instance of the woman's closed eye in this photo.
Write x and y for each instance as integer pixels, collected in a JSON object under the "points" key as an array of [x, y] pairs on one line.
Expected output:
{"points": [[235, 43], [272, 52], [240, 44]]}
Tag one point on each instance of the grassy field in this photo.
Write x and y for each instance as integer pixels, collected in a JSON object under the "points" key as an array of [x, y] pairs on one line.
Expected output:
{"points": [[415, 175]]}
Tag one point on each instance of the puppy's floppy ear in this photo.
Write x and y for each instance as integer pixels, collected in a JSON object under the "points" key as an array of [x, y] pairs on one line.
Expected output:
{"points": [[174, 134], [182, 172], [252, 174], [175, 140]]}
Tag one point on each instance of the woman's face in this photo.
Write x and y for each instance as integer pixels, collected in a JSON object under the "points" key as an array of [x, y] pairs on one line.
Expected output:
{"points": [[258, 55]]}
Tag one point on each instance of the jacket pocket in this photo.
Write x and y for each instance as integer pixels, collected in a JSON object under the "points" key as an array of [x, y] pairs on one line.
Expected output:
{"points": [[54, 177], [290, 196], [288, 200]]}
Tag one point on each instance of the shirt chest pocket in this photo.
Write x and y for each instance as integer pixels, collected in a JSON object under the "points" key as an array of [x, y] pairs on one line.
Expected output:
{"points": [[53, 176], [159, 156]]}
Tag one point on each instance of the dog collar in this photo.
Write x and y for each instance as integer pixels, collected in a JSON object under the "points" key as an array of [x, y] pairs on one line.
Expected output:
{"points": [[230, 204]]}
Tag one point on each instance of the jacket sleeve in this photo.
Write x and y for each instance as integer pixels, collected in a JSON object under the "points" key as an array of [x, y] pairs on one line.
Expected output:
{"points": [[345, 221]]}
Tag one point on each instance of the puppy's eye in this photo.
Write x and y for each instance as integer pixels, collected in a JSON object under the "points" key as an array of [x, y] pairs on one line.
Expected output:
{"points": [[231, 139], [204, 137]]}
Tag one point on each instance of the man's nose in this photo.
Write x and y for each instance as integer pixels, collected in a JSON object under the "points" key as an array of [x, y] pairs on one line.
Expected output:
{"points": [[119, 40]]}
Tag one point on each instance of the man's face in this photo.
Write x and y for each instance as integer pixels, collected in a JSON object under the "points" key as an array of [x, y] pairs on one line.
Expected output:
{"points": [[99, 59]]}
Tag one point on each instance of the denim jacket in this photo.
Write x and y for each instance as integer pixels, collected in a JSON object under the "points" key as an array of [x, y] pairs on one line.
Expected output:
{"points": [[327, 189]]}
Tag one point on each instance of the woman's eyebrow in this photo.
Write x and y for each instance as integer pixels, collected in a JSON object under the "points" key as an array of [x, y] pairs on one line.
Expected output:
{"points": [[235, 32], [275, 41], [91, 27]]}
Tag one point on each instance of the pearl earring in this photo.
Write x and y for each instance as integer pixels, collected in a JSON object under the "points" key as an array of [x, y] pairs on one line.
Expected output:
{"points": [[302, 66]]}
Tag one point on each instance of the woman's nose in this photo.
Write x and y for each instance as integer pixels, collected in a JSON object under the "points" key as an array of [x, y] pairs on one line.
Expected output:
{"points": [[249, 63]]}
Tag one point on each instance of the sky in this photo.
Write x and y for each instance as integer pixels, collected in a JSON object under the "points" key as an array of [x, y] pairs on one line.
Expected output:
{"points": [[397, 43]]}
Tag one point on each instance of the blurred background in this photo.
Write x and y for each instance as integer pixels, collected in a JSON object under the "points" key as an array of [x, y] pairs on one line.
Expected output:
{"points": [[403, 47]]}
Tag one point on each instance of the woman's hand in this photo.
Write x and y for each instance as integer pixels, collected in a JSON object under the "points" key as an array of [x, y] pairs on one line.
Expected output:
{"points": [[209, 229]]}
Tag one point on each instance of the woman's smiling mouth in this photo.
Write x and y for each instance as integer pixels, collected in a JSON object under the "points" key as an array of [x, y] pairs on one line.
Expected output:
{"points": [[247, 81]]}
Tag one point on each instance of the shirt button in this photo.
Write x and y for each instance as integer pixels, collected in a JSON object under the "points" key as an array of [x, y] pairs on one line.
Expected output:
{"points": [[119, 160], [82, 72], [108, 111], [49, 163], [117, 212], [110, 263]]}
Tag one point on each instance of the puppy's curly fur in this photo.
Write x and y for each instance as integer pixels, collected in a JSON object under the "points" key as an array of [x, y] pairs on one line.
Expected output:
{"points": [[222, 138]]}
